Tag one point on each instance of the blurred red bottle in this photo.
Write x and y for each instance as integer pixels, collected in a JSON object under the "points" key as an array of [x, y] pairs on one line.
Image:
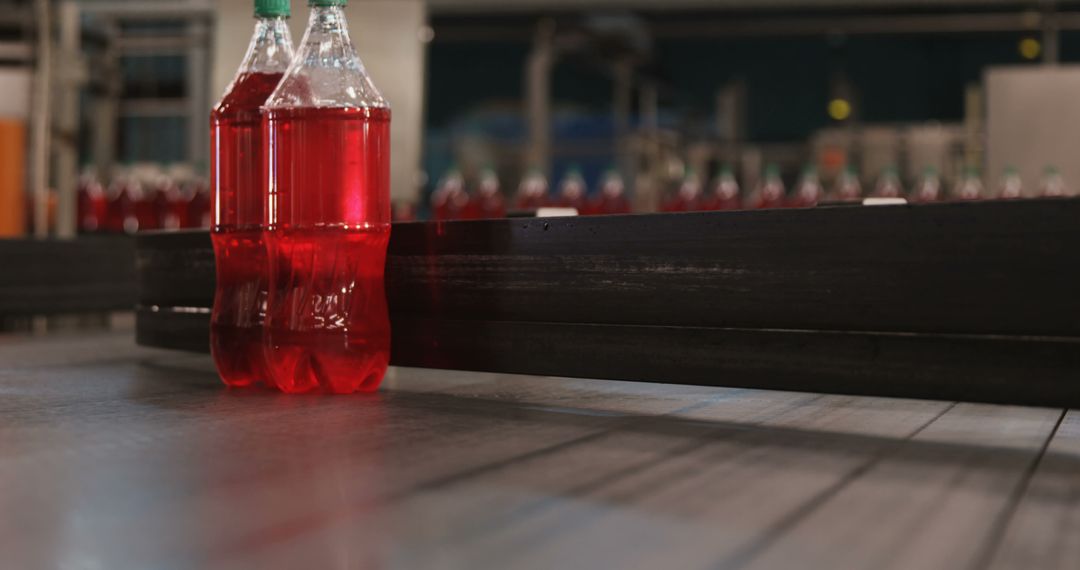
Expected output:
{"points": [[238, 187], [120, 210], [488, 201], [92, 205], [809, 191], [328, 216], [612, 196], [145, 199], [1052, 184], [771, 192], [848, 188], [928, 188], [450, 199], [687, 198], [533, 191], [725, 192], [572, 191], [1011, 186], [888, 184], [969, 187]]}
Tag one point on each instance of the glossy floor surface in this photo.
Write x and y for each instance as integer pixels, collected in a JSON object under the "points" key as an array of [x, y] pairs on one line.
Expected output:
{"points": [[113, 456]]}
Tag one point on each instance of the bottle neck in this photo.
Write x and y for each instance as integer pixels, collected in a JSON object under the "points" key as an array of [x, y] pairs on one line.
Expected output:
{"points": [[327, 37], [271, 47]]}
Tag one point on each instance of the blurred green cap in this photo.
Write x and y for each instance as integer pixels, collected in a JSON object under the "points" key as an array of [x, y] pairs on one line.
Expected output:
{"points": [[271, 8], [326, 3]]}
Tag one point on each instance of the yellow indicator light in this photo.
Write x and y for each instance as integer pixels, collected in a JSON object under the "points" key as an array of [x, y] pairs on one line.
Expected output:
{"points": [[839, 109], [1030, 48]]}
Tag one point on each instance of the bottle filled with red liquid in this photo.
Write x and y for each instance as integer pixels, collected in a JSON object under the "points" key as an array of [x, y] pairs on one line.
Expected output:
{"points": [[488, 201], [238, 185], [612, 196], [724, 194], [771, 192], [573, 193], [532, 192], [450, 199], [327, 155]]}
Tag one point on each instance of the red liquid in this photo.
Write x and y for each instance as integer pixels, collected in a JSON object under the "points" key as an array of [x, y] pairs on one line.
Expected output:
{"points": [[237, 189], [327, 324], [484, 207], [605, 205]]}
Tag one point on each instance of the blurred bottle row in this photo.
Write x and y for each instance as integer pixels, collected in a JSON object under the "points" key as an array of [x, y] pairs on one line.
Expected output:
{"points": [[139, 200], [452, 200]]}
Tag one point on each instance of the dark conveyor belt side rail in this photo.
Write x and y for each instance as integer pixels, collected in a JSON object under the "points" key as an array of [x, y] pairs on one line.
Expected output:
{"points": [[82, 275], [972, 302]]}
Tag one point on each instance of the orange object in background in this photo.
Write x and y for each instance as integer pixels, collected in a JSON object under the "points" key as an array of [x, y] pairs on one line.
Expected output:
{"points": [[12, 177]]}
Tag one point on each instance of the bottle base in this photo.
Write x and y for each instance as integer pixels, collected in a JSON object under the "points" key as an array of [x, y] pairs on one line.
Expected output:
{"points": [[238, 355], [329, 362]]}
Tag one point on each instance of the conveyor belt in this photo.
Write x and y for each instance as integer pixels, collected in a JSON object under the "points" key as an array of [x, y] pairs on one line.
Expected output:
{"points": [[115, 456]]}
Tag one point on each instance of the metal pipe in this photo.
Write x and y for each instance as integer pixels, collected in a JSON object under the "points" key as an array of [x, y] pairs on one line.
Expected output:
{"points": [[198, 96], [41, 120], [66, 150], [538, 96]]}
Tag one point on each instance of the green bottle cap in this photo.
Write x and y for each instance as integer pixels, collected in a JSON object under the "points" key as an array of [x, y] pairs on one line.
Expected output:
{"points": [[326, 3], [272, 8]]}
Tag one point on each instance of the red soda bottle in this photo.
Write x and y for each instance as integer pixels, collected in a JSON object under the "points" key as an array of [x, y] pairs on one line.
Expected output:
{"points": [[533, 191], [237, 183], [328, 216], [809, 191], [888, 184], [92, 205], [1052, 184], [687, 198], [969, 187], [145, 207], [450, 200], [612, 196], [1011, 186], [488, 201], [928, 188], [848, 188], [572, 191], [725, 192], [120, 209], [771, 192]]}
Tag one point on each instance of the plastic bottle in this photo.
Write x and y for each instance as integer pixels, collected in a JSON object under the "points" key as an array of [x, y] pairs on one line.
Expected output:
{"points": [[572, 191], [533, 191], [970, 186], [1011, 186], [328, 216], [770, 193], [238, 185], [888, 184], [120, 209], [487, 202], [1052, 184], [724, 194], [612, 196], [848, 188], [688, 197], [449, 200], [928, 188], [809, 191], [92, 205]]}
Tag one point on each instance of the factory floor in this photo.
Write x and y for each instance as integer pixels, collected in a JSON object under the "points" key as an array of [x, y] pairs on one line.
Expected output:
{"points": [[115, 456]]}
